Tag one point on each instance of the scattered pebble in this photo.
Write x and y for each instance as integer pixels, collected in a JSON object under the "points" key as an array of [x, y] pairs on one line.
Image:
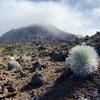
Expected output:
{"points": [[34, 98], [11, 89]]}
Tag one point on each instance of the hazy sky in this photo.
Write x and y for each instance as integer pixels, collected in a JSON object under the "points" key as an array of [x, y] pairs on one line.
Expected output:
{"points": [[75, 16]]}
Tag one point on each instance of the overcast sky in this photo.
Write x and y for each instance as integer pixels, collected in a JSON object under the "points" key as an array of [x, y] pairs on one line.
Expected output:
{"points": [[75, 16]]}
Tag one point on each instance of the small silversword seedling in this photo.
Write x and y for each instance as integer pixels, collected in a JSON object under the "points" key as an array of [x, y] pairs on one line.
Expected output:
{"points": [[83, 60]]}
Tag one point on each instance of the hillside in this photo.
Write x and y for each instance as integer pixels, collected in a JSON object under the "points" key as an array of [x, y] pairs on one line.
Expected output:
{"points": [[36, 33], [39, 71]]}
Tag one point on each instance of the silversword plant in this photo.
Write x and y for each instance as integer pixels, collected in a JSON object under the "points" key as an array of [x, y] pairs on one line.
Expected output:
{"points": [[83, 60]]}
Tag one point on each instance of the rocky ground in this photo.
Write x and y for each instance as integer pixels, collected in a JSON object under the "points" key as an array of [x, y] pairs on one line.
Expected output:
{"points": [[39, 72]]}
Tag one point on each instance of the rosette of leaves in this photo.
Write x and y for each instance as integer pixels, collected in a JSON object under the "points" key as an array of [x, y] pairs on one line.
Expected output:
{"points": [[83, 60]]}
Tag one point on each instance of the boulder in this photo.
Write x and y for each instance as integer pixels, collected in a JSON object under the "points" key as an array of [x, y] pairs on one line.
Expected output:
{"points": [[58, 55], [37, 80], [12, 65]]}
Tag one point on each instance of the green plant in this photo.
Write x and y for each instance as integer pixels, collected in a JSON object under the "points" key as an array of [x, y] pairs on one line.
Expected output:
{"points": [[83, 60]]}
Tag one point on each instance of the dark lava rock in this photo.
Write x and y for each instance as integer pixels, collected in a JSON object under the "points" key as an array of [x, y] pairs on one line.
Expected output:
{"points": [[43, 66], [9, 85], [34, 98], [21, 74], [37, 65], [1, 78], [37, 80], [97, 47], [58, 55], [11, 89]]}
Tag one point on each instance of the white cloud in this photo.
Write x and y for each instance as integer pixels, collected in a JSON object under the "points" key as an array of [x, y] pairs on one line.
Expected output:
{"points": [[96, 12], [15, 14], [92, 2]]}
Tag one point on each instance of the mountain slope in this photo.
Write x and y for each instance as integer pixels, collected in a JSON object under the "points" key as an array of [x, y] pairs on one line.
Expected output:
{"points": [[36, 33]]}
